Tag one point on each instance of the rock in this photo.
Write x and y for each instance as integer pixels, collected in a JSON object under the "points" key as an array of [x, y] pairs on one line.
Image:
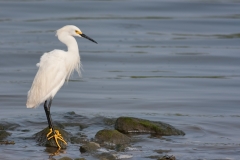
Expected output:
{"points": [[65, 158], [106, 156], [112, 137], [7, 142], [167, 158], [80, 125], [79, 159], [4, 134], [137, 125], [89, 147], [8, 126], [109, 121], [41, 137], [161, 151], [121, 147], [78, 140]]}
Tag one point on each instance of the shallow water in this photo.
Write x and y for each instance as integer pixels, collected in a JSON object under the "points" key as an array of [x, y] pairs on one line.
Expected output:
{"points": [[174, 61]]}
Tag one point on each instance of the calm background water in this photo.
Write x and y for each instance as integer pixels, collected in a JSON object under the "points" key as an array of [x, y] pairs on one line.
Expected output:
{"points": [[175, 61]]}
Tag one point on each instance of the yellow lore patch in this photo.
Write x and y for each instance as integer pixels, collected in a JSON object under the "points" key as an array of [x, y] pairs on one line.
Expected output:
{"points": [[78, 32]]}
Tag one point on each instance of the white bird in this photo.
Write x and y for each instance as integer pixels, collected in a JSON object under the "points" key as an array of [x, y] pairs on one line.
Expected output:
{"points": [[55, 68]]}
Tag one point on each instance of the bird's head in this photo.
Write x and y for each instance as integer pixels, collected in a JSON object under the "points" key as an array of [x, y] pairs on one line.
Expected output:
{"points": [[72, 31]]}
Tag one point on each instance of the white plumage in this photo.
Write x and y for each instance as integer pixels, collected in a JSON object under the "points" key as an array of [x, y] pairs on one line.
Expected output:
{"points": [[55, 67]]}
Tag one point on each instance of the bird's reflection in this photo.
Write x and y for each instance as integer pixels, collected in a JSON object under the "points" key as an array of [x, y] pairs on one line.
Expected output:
{"points": [[54, 152]]}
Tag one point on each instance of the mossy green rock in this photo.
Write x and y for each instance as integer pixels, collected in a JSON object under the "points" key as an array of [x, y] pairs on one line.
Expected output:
{"points": [[41, 137], [137, 125], [4, 134], [111, 136]]}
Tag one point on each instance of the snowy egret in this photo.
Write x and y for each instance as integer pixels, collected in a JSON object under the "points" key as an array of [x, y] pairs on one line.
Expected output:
{"points": [[55, 68]]}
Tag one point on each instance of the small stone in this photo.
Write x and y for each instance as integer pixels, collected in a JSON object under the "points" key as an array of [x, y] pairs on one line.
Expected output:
{"points": [[111, 136], [7, 142], [109, 121], [89, 147], [137, 125], [161, 151], [78, 140], [65, 158], [167, 158], [71, 113], [41, 137], [25, 130], [106, 156], [80, 125], [4, 134]]}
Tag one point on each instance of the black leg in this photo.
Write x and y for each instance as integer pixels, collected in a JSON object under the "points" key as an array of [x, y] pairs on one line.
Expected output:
{"points": [[48, 114], [55, 133]]}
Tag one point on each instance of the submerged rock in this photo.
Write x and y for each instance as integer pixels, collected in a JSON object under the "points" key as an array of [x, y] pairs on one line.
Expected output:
{"points": [[111, 137], [167, 158], [65, 158], [89, 147], [4, 134], [137, 125], [106, 156], [109, 121], [41, 137], [8, 126], [74, 124], [78, 140], [7, 142]]}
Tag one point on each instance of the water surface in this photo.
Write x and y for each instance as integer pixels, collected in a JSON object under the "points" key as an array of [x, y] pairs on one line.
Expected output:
{"points": [[174, 61]]}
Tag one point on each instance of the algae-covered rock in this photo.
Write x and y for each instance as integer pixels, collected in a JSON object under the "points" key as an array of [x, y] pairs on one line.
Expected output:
{"points": [[4, 134], [89, 147], [41, 137], [137, 125], [112, 137]]}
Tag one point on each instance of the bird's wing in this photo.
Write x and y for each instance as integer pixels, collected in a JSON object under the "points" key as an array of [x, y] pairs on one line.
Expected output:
{"points": [[49, 78]]}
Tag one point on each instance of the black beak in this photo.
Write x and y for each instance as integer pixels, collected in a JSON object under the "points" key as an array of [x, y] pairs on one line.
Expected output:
{"points": [[84, 36]]}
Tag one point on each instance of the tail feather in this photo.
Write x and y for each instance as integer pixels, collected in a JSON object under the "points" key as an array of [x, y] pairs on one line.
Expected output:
{"points": [[30, 101]]}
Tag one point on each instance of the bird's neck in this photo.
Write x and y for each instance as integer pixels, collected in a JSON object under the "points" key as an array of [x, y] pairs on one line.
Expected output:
{"points": [[70, 42]]}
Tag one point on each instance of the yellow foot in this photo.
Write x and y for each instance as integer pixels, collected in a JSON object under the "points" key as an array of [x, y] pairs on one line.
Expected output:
{"points": [[57, 136]]}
